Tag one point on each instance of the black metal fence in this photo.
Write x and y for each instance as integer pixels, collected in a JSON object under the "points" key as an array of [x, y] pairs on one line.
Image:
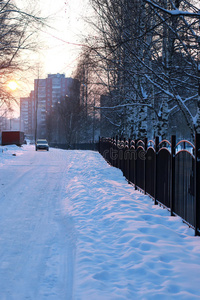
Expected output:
{"points": [[167, 171]]}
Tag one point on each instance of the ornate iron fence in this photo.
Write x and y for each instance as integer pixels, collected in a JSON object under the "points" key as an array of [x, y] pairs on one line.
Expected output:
{"points": [[167, 171]]}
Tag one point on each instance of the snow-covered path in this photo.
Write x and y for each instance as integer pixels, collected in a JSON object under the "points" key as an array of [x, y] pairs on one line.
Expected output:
{"points": [[36, 241], [72, 228]]}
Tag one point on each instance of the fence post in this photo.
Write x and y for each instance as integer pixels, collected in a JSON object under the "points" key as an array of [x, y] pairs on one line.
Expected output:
{"points": [[113, 151], [145, 164], [120, 152], [117, 154], [156, 169], [173, 154], [197, 183], [123, 159], [135, 165], [129, 160], [99, 144], [119, 145], [110, 151]]}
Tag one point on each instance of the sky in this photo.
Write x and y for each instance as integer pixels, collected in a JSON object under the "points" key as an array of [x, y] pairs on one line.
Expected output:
{"points": [[60, 42], [64, 40], [73, 228]]}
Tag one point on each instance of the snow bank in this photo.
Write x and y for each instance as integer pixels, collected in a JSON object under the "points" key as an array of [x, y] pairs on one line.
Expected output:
{"points": [[127, 248], [6, 152]]}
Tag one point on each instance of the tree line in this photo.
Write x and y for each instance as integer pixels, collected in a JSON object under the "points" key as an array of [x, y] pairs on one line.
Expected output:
{"points": [[142, 65]]}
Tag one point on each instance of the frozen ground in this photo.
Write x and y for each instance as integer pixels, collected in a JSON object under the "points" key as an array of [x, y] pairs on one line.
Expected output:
{"points": [[72, 228]]}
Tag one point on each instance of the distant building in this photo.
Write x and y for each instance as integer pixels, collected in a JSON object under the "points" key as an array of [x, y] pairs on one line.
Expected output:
{"points": [[35, 109], [26, 115], [4, 123], [9, 124], [15, 124]]}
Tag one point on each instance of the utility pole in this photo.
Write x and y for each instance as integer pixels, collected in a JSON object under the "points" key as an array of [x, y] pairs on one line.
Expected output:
{"points": [[36, 105]]}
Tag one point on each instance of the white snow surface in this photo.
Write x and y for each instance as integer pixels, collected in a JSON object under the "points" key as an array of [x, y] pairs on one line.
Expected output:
{"points": [[73, 228]]}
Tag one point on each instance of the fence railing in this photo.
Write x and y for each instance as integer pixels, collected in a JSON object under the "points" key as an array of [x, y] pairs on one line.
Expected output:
{"points": [[167, 171]]}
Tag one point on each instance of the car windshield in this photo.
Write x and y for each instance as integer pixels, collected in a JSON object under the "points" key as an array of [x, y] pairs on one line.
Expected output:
{"points": [[42, 142]]}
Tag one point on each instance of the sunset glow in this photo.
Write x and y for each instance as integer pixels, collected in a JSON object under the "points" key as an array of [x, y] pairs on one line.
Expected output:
{"points": [[12, 85]]}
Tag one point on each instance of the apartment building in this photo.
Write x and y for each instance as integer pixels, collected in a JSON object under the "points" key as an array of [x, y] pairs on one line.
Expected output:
{"points": [[25, 114], [35, 109]]}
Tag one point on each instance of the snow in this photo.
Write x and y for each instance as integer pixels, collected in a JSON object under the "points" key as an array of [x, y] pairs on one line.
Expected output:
{"points": [[73, 228]]}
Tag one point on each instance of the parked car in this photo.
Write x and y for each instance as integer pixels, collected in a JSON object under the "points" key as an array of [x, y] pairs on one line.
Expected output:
{"points": [[41, 144]]}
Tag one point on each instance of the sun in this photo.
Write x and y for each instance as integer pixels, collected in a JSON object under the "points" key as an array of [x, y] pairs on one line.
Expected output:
{"points": [[13, 85]]}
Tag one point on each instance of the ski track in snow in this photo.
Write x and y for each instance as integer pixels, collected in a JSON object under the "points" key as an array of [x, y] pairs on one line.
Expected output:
{"points": [[72, 228]]}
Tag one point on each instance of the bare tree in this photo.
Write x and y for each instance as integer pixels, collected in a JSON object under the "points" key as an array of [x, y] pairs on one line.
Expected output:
{"points": [[17, 30], [91, 88], [148, 50], [64, 121]]}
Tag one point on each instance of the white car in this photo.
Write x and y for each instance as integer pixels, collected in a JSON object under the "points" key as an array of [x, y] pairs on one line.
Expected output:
{"points": [[41, 144]]}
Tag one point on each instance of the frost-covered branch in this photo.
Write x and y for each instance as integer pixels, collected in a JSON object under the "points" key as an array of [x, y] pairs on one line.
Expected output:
{"points": [[174, 12]]}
